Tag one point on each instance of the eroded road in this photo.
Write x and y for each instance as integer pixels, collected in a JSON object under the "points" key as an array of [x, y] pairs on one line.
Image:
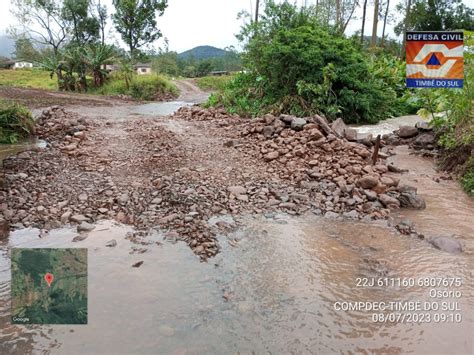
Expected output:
{"points": [[168, 188]]}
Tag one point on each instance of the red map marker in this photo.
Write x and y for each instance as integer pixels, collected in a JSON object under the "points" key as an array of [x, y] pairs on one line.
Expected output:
{"points": [[49, 278]]}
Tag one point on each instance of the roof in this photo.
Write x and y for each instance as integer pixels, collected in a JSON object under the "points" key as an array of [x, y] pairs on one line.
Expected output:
{"points": [[143, 65]]}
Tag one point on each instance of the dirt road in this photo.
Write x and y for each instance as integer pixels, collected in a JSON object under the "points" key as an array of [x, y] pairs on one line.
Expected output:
{"points": [[286, 217]]}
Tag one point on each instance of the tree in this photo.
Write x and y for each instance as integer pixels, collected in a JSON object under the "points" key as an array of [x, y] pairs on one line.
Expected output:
{"points": [[373, 41], [96, 57], [364, 12], [435, 15], [24, 50], [334, 13], [101, 15], [135, 20], [85, 28], [385, 22], [42, 21], [204, 67], [257, 8], [295, 65]]}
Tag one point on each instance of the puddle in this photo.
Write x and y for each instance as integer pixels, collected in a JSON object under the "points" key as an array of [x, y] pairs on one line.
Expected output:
{"points": [[9, 149], [159, 108], [272, 289]]}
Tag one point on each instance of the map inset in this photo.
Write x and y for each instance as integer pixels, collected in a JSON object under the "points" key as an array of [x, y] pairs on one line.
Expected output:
{"points": [[49, 286]]}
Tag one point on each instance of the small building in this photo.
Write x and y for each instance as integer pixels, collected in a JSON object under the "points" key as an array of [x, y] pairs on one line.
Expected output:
{"points": [[143, 68], [22, 65], [112, 68]]}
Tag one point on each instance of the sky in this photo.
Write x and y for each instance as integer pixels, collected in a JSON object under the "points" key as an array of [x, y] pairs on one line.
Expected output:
{"points": [[190, 23]]}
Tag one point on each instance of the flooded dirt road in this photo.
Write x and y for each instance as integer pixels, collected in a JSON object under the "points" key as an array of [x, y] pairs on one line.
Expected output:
{"points": [[276, 286], [272, 289]]}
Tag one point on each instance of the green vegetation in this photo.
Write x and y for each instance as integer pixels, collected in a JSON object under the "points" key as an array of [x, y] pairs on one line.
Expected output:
{"points": [[141, 87], [467, 179], [214, 82], [452, 113], [28, 78], [296, 66], [197, 62], [429, 15], [16, 122]]}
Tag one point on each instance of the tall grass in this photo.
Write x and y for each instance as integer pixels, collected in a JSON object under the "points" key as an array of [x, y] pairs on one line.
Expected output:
{"points": [[142, 87], [16, 122]]}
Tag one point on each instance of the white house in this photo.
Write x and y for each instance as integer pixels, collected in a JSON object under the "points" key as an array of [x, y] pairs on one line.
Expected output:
{"points": [[143, 68], [22, 65]]}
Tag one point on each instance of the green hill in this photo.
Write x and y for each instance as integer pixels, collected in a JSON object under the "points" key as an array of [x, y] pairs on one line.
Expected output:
{"points": [[203, 52]]}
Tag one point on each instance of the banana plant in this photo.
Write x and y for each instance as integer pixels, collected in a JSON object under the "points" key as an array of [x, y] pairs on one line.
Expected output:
{"points": [[96, 57]]}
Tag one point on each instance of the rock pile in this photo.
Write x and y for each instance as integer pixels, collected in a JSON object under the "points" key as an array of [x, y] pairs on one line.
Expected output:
{"points": [[333, 176], [138, 172]]}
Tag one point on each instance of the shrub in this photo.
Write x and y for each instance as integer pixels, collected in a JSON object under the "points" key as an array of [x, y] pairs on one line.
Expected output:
{"points": [[296, 66], [143, 87], [468, 178], [16, 122], [452, 113]]}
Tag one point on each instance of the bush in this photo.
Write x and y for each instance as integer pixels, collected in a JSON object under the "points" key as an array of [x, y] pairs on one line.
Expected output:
{"points": [[468, 178], [142, 87], [296, 66], [16, 122], [452, 113]]}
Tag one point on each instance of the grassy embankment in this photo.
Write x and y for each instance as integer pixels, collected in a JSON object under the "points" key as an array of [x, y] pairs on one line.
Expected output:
{"points": [[27, 78], [141, 87], [145, 87], [16, 122]]}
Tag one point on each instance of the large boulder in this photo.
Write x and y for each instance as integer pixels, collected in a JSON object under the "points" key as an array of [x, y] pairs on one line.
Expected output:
{"points": [[425, 141], [410, 199], [423, 126], [350, 134], [339, 127], [368, 182], [298, 124], [448, 244], [389, 201], [407, 132], [323, 124]]}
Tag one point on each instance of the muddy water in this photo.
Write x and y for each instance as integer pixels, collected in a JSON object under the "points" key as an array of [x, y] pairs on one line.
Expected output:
{"points": [[272, 288], [389, 125], [449, 210], [10, 149]]}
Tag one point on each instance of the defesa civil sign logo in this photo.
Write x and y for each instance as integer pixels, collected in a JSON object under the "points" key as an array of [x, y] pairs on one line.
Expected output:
{"points": [[435, 59]]}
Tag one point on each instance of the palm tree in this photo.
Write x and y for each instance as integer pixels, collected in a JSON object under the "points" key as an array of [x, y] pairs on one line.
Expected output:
{"points": [[126, 68], [55, 65]]}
